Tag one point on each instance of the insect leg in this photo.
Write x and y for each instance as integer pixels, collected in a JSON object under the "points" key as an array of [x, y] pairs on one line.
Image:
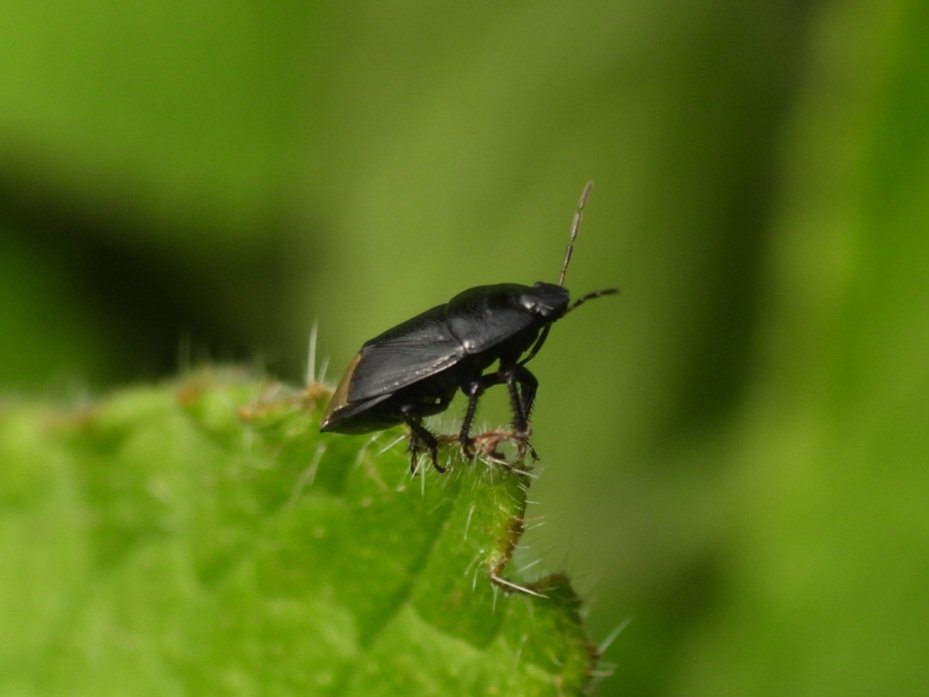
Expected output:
{"points": [[420, 439], [522, 385], [474, 390]]}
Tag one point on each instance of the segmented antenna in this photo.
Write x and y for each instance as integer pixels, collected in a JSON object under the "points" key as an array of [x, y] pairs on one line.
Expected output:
{"points": [[575, 228], [590, 296]]}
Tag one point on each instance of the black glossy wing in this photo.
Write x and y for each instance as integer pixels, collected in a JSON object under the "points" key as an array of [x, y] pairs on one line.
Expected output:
{"points": [[406, 354]]}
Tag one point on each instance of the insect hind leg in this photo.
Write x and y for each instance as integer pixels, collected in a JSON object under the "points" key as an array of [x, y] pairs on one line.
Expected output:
{"points": [[421, 439]]}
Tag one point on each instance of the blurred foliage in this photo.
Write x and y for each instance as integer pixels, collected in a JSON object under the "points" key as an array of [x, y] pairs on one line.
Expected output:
{"points": [[186, 182]]}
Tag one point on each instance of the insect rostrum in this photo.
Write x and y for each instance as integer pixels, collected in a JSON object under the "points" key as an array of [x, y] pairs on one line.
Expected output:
{"points": [[413, 370]]}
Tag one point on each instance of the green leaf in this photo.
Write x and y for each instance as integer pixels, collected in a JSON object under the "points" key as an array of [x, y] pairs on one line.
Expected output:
{"points": [[204, 538]]}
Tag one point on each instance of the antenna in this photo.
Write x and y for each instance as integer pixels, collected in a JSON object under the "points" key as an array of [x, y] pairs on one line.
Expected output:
{"points": [[590, 296], [575, 228]]}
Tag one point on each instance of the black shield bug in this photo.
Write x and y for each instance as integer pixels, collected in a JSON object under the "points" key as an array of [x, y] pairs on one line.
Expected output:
{"points": [[413, 370]]}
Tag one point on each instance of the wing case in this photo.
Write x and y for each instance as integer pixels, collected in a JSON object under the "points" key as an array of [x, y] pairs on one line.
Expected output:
{"points": [[405, 354]]}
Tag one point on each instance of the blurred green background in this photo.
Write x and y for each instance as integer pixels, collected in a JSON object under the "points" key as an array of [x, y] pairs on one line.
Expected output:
{"points": [[734, 451]]}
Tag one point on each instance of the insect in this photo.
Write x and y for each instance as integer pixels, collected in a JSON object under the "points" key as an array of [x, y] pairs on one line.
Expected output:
{"points": [[413, 370]]}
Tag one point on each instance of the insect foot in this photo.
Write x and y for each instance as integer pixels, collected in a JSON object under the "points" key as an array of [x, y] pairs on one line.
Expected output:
{"points": [[416, 447], [487, 445]]}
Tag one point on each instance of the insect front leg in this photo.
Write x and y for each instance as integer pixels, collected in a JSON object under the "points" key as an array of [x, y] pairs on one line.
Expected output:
{"points": [[522, 385]]}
